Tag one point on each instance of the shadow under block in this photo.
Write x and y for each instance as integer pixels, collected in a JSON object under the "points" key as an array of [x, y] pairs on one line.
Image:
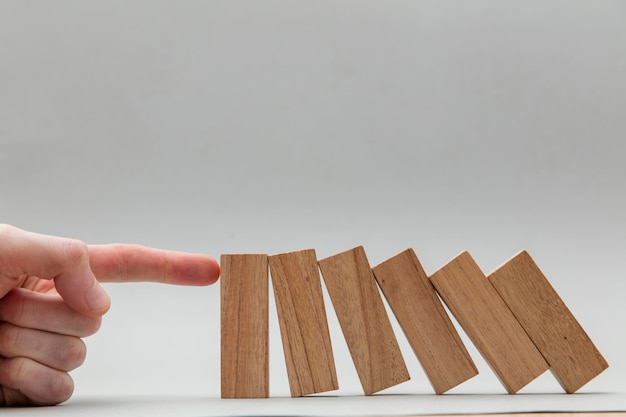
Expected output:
{"points": [[572, 356], [244, 326], [490, 324], [364, 321], [424, 321], [303, 325]]}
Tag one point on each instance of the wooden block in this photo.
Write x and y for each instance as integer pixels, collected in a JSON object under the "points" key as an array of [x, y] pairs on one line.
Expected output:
{"points": [[424, 321], [364, 321], [489, 323], [573, 358], [303, 324], [244, 326]]}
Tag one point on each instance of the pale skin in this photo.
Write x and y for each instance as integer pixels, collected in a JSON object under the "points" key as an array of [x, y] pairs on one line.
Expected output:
{"points": [[50, 298]]}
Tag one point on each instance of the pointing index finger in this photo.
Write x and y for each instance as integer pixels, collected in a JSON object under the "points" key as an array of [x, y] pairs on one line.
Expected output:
{"points": [[135, 263]]}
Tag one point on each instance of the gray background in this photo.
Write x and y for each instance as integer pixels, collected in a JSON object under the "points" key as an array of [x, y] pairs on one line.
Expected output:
{"points": [[273, 126]]}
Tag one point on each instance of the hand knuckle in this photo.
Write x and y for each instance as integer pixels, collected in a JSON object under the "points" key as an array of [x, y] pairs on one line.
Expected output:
{"points": [[9, 337], [17, 370], [13, 307], [6, 229], [76, 354], [76, 251]]}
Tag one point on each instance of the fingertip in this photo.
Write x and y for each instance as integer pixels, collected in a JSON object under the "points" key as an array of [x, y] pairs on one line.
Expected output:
{"points": [[214, 271], [200, 270], [208, 271], [190, 269]]}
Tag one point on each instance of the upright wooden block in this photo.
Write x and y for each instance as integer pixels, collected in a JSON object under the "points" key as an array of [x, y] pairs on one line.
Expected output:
{"points": [[573, 358], [244, 326], [489, 323], [364, 321], [303, 324], [424, 321]]}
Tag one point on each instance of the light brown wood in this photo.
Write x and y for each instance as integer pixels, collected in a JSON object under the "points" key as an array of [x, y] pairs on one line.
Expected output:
{"points": [[364, 321], [303, 325], [244, 326], [424, 321], [573, 358], [488, 322]]}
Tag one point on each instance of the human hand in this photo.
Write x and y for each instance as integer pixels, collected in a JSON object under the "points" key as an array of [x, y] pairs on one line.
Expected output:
{"points": [[50, 298]]}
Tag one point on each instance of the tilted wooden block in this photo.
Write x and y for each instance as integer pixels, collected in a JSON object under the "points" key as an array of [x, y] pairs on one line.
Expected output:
{"points": [[489, 323], [573, 358], [303, 324], [244, 326], [364, 321], [424, 321]]}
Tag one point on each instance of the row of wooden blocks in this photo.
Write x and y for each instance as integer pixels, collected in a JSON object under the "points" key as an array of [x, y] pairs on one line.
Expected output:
{"points": [[514, 317]]}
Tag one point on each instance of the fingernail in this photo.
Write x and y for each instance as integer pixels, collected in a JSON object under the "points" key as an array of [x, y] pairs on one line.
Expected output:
{"points": [[96, 298]]}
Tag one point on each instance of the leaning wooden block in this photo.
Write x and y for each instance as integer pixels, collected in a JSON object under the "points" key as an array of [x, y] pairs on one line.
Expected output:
{"points": [[489, 323], [303, 324], [364, 321], [573, 358], [424, 321], [244, 326]]}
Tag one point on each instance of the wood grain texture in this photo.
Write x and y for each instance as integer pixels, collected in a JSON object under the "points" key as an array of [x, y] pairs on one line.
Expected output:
{"points": [[244, 295], [424, 321], [488, 322], [573, 358], [303, 324], [364, 321]]}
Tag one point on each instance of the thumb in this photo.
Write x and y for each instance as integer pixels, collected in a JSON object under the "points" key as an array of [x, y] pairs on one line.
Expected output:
{"points": [[66, 261]]}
